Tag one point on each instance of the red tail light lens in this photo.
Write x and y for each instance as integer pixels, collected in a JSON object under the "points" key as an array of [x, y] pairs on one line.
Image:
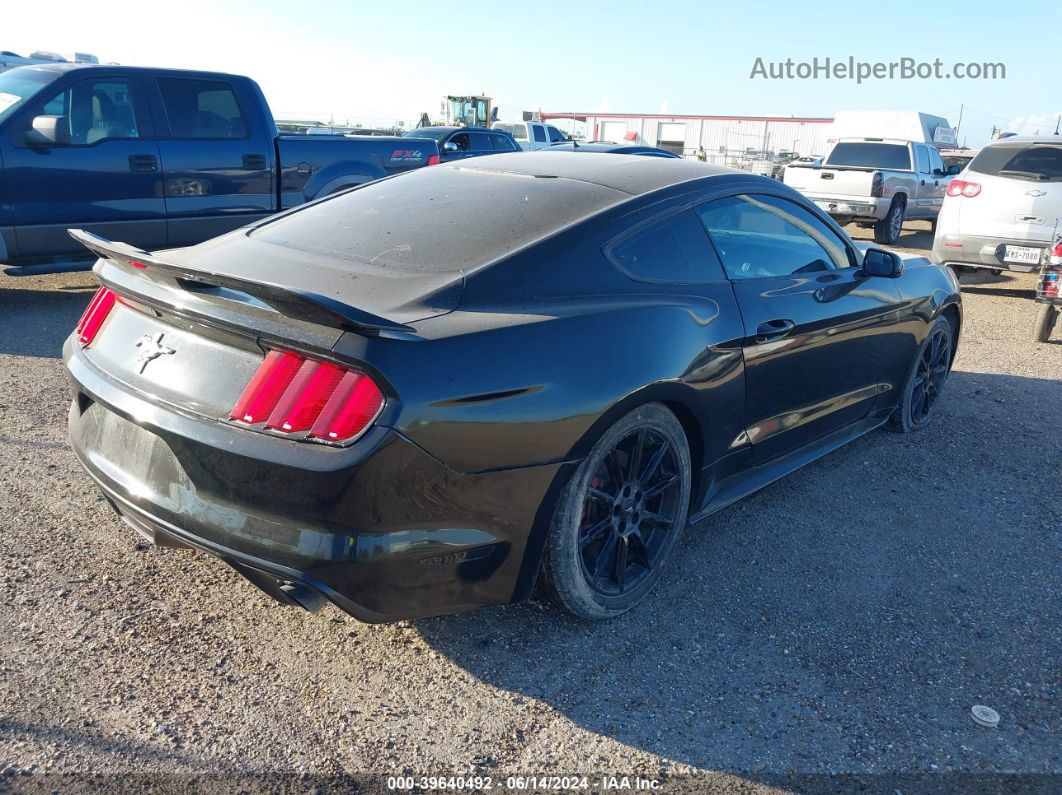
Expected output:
{"points": [[434, 160], [266, 387], [1056, 254], [353, 406], [291, 394], [94, 315], [960, 187], [306, 396]]}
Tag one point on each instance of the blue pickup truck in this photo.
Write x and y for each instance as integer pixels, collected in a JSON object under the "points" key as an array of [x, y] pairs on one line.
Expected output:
{"points": [[160, 158]]}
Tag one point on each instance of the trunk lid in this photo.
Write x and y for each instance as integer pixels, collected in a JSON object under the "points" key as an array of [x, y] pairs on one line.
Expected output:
{"points": [[1021, 191], [1010, 208], [191, 327]]}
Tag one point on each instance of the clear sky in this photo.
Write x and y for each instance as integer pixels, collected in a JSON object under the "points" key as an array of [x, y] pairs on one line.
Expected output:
{"points": [[392, 59]]}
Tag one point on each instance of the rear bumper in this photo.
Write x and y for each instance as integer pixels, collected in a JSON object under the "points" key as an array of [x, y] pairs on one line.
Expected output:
{"points": [[977, 251], [852, 207], [381, 529]]}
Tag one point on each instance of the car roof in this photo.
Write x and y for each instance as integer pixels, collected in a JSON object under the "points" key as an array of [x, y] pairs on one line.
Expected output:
{"points": [[451, 128], [1029, 139], [569, 146], [67, 66], [633, 174]]}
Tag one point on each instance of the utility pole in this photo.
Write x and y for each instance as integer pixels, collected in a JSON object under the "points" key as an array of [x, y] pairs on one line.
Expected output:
{"points": [[959, 125], [1058, 122]]}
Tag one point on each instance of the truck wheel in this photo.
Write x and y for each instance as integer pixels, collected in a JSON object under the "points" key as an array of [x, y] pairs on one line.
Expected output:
{"points": [[887, 230], [1045, 322]]}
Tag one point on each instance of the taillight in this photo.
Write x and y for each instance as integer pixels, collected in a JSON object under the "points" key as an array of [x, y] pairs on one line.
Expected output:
{"points": [[92, 318], [877, 185], [960, 187], [434, 160], [290, 393], [1056, 254]]}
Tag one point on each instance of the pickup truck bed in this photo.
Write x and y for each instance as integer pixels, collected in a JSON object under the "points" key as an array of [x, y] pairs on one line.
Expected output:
{"points": [[875, 182]]}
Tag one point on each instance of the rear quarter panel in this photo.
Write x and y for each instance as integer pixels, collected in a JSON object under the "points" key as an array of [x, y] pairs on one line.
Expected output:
{"points": [[534, 374]]}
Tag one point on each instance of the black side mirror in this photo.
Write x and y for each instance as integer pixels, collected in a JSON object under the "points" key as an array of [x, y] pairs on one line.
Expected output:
{"points": [[954, 169], [879, 262]]}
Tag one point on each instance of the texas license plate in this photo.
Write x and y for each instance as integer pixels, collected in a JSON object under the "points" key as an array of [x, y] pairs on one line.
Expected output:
{"points": [[1024, 254]]}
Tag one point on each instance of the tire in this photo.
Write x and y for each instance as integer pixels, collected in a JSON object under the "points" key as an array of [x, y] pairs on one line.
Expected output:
{"points": [[887, 230], [925, 380], [610, 538], [1045, 322]]}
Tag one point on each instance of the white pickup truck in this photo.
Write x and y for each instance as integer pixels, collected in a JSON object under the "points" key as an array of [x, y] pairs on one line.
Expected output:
{"points": [[531, 135], [876, 182]]}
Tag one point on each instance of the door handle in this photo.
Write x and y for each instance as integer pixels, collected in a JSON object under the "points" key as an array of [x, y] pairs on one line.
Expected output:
{"points": [[773, 330], [254, 162], [143, 163], [923, 182]]}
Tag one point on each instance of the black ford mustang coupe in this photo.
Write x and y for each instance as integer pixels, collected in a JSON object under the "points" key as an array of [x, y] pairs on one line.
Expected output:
{"points": [[432, 392]]}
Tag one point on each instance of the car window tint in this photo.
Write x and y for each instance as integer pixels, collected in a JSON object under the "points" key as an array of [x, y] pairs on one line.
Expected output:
{"points": [[97, 110], [922, 155], [870, 155], [555, 135], [540, 133], [760, 236], [520, 132], [936, 162], [1036, 162], [673, 250], [480, 142], [461, 141], [503, 144], [201, 108]]}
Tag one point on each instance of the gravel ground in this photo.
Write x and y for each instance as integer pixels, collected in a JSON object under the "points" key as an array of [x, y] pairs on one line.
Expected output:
{"points": [[841, 621]]}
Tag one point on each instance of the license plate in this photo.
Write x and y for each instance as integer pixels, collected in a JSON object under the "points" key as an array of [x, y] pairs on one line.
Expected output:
{"points": [[1025, 254]]}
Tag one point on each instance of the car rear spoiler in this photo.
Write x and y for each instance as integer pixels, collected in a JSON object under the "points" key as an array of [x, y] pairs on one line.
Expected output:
{"points": [[289, 301]]}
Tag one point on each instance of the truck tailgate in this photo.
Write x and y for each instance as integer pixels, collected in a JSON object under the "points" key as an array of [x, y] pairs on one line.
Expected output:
{"points": [[830, 181]]}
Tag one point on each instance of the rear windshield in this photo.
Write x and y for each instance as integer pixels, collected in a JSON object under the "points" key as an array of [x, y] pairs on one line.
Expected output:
{"points": [[870, 155], [438, 219], [1031, 161]]}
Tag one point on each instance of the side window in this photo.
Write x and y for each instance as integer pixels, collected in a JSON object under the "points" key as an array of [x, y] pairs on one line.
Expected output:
{"points": [[540, 133], [520, 132], [503, 144], [480, 142], [97, 110], [202, 108], [555, 136], [936, 162], [673, 250], [461, 141], [923, 159], [760, 237]]}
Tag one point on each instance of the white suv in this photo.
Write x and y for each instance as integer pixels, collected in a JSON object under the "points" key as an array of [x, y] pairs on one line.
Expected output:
{"points": [[1005, 209]]}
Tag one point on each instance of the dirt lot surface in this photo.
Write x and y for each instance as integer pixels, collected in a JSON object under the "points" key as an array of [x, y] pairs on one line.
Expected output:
{"points": [[841, 621]]}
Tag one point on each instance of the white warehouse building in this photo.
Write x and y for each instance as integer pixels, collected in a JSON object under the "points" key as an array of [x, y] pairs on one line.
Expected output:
{"points": [[717, 139]]}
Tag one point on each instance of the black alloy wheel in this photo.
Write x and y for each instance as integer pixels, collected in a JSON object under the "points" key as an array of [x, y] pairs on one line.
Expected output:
{"points": [[620, 516], [630, 507], [926, 380]]}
